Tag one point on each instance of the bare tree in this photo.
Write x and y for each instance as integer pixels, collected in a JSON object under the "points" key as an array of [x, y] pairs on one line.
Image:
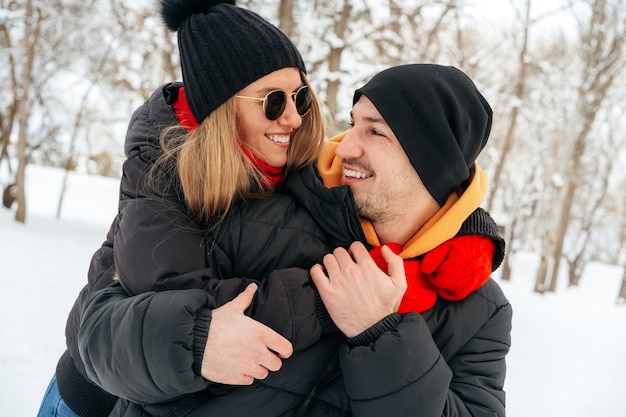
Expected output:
{"points": [[8, 111], [521, 80], [587, 231], [621, 296], [602, 46], [32, 21], [617, 206], [57, 52], [70, 163]]}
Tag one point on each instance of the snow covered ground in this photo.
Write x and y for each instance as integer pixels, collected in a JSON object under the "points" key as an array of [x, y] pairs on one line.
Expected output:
{"points": [[569, 349]]}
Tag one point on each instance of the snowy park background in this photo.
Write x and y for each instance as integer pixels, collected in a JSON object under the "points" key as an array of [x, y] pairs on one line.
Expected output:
{"points": [[569, 348]]}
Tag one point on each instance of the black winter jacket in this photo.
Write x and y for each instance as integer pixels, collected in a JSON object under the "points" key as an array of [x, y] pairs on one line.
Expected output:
{"points": [[446, 361]]}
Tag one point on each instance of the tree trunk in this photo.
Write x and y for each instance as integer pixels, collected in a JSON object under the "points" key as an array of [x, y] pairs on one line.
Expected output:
{"points": [[506, 268], [603, 56], [334, 59], [285, 17], [509, 235], [70, 163], [7, 128], [545, 268], [621, 297], [7, 121], [563, 220], [31, 35], [520, 91], [575, 270]]}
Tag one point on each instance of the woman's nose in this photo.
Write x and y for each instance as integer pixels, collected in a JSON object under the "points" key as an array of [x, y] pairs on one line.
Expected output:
{"points": [[290, 116]]}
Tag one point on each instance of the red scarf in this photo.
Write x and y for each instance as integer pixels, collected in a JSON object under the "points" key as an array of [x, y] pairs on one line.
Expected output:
{"points": [[182, 111], [451, 271], [271, 175]]}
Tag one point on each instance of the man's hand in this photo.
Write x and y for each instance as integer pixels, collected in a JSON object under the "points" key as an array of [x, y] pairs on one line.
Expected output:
{"points": [[356, 293], [240, 349]]}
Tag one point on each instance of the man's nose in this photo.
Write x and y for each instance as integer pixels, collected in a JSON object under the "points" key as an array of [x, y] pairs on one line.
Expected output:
{"points": [[349, 146]]}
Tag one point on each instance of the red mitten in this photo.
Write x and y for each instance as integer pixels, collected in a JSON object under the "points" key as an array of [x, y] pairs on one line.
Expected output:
{"points": [[459, 266], [377, 255], [420, 294]]}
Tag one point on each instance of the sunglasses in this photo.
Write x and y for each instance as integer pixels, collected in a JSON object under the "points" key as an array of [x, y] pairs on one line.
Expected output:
{"points": [[274, 102]]}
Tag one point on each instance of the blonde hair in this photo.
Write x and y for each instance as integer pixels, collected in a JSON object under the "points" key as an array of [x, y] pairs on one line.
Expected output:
{"points": [[308, 139], [213, 170]]}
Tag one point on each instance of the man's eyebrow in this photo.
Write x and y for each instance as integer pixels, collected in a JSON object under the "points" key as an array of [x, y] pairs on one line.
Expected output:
{"points": [[374, 119], [370, 119]]}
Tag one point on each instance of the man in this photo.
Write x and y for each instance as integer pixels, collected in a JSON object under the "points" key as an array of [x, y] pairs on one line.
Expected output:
{"points": [[427, 331], [409, 161]]}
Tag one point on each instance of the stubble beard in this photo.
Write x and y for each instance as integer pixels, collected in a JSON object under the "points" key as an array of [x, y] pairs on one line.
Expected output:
{"points": [[378, 207]]}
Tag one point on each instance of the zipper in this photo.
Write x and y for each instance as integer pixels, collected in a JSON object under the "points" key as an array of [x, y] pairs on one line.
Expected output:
{"points": [[302, 411], [354, 234]]}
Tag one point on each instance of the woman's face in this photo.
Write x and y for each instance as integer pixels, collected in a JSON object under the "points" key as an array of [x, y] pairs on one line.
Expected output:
{"points": [[269, 140]]}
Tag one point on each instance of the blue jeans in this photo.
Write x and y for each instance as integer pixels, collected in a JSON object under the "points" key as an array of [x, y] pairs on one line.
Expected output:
{"points": [[52, 405]]}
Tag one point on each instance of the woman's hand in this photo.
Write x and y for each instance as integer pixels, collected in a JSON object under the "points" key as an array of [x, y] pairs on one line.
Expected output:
{"points": [[240, 349]]}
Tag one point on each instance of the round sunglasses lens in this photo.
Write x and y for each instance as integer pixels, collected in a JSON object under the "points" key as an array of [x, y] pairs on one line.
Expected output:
{"points": [[303, 100], [275, 104]]}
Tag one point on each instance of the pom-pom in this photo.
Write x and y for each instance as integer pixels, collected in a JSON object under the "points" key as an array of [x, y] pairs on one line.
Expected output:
{"points": [[174, 12]]}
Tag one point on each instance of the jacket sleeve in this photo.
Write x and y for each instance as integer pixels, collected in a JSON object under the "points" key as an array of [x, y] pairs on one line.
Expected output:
{"points": [[143, 348], [157, 245], [396, 368], [101, 274], [149, 347]]}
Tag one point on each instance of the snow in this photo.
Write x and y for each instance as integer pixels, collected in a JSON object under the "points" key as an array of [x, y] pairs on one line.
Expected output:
{"points": [[569, 348]]}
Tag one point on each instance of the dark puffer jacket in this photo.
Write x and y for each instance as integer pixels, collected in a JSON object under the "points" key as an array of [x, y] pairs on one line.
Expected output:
{"points": [[446, 361], [157, 247]]}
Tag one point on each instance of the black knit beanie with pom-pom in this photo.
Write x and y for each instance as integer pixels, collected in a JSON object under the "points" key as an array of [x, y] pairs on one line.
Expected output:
{"points": [[223, 48]]}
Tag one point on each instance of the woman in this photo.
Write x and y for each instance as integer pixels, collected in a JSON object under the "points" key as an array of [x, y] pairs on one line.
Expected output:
{"points": [[247, 116]]}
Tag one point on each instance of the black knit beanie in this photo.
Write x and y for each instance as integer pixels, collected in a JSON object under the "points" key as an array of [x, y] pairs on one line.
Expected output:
{"points": [[224, 48], [438, 115]]}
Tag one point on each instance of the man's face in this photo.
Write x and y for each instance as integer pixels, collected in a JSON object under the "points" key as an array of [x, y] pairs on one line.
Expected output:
{"points": [[385, 185]]}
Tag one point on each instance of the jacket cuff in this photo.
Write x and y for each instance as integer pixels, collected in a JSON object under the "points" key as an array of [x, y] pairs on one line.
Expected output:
{"points": [[327, 324], [480, 222], [370, 335], [200, 335]]}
